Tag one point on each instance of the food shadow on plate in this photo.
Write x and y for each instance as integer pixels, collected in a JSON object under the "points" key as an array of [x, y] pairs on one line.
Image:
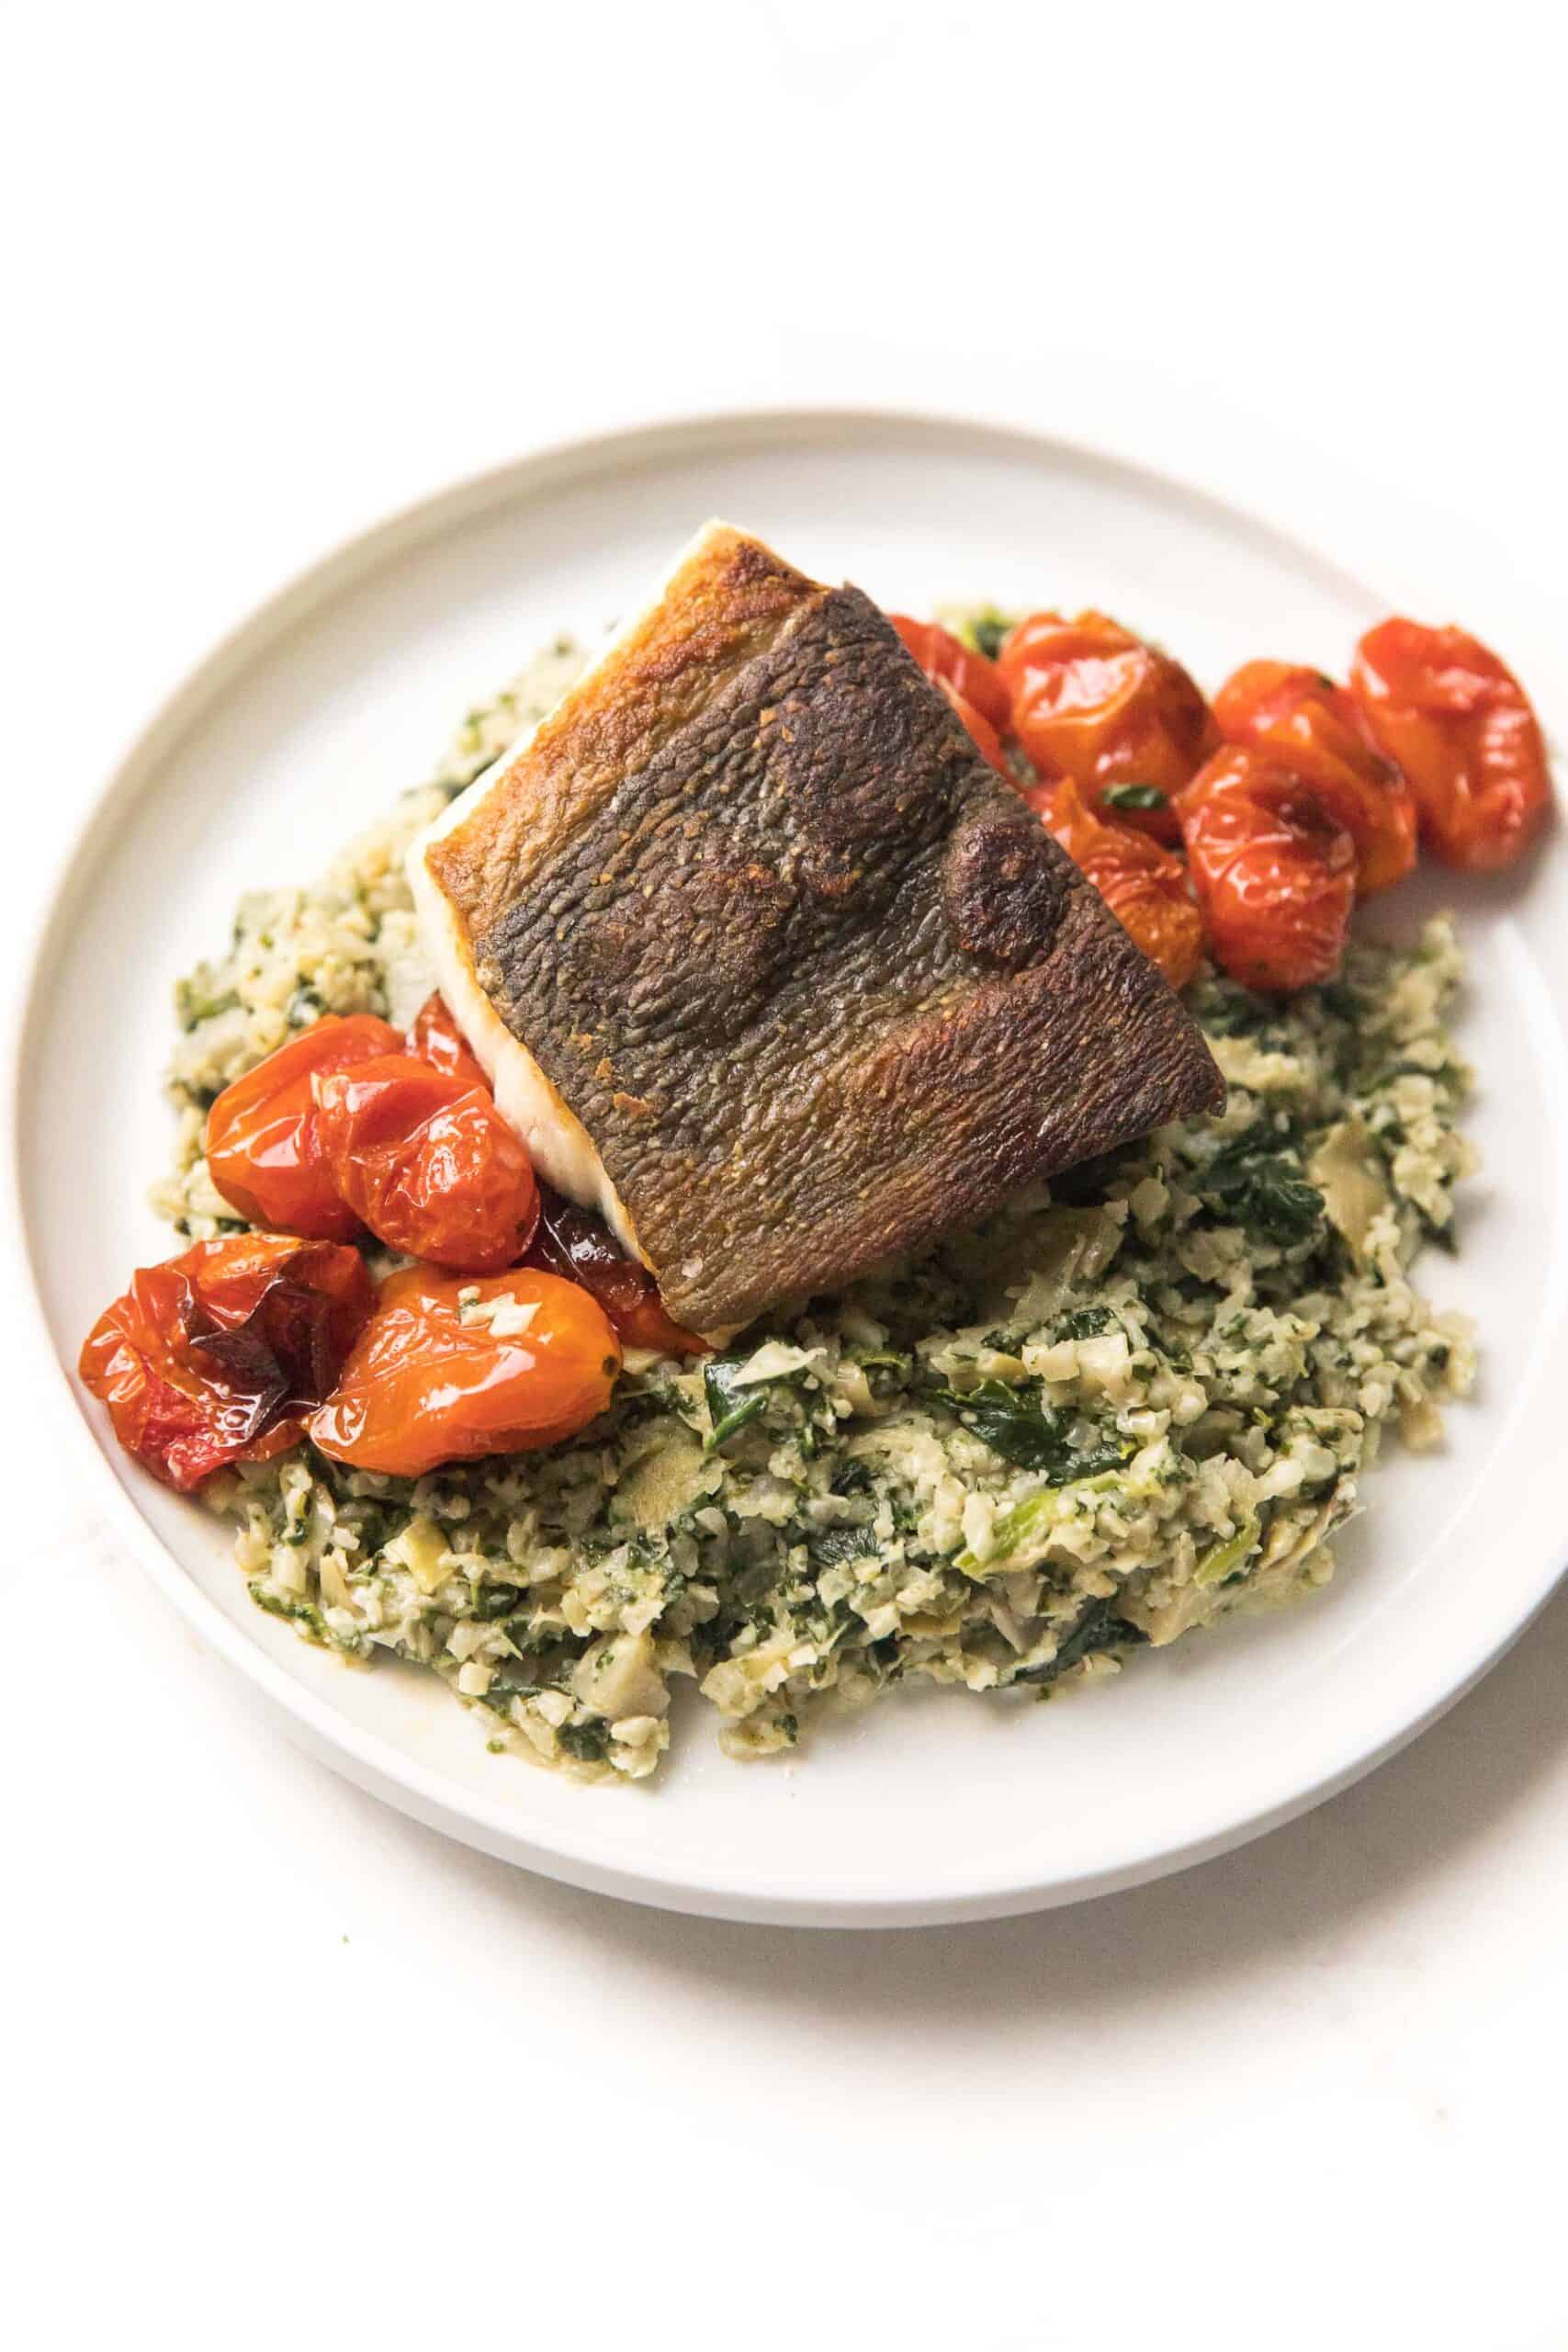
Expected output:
{"points": [[1301, 1890]]}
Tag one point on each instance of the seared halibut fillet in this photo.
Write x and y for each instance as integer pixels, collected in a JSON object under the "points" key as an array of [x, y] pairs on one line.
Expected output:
{"points": [[768, 965]]}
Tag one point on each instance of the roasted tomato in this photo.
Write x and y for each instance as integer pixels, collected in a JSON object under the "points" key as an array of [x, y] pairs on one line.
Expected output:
{"points": [[947, 660], [263, 1149], [1275, 875], [447, 1371], [219, 1356], [435, 1038], [982, 734], [1459, 728], [1145, 886], [1093, 701], [573, 1243], [1317, 729], [428, 1163]]}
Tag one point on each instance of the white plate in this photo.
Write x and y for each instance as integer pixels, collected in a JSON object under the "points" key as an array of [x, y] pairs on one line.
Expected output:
{"points": [[934, 1805]]}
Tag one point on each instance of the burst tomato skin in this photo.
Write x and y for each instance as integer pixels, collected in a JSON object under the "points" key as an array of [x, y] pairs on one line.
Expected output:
{"points": [[1317, 729], [264, 1149], [435, 1038], [427, 1163], [1095, 703], [218, 1355], [1144, 886], [423, 1386], [947, 660], [573, 1243], [981, 733], [1275, 875], [1459, 728]]}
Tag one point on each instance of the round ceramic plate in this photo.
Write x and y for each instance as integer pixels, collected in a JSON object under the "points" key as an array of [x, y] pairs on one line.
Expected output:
{"points": [[933, 1806]]}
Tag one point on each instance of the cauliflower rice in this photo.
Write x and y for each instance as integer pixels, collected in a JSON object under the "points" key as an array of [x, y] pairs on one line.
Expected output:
{"points": [[1120, 1409]]}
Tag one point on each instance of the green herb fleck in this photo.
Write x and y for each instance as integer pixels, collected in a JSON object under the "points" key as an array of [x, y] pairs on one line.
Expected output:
{"points": [[1134, 795]]}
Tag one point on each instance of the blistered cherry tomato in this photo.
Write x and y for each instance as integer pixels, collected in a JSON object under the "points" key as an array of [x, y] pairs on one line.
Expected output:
{"points": [[1275, 875], [982, 734], [1144, 886], [219, 1356], [428, 1163], [574, 1243], [435, 1038], [263, 1149], [448, 1371], [1316, 729], [947, 660], [1093, 701], [1459, 728]]}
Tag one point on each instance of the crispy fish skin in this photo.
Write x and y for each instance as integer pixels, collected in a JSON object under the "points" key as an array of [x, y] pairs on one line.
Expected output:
{"points": [[816, 984]]}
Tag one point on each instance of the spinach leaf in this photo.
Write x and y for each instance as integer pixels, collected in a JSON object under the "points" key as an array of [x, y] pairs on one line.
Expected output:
{"points": [[1082, 1323], [492, 1600], [988, 630], [1135, 796], [836, 1543], [1264, 1191], [729, 1408], [1099, 1628], [1035, 1436], [588, 1742]]}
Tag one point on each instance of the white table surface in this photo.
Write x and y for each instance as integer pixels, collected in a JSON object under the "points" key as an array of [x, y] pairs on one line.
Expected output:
{"points": [[281, 2066]]}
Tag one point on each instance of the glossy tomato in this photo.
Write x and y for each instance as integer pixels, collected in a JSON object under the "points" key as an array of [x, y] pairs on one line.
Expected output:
{"points": [[982, 734], [1145, 886], [435, 1038], [263, 1146], [947, 660], [1317, 729], [1093, 701], [218, 1355], [428, 1163], [447, 1371], [574, 1243], [1275, 875], [1459, 728]]}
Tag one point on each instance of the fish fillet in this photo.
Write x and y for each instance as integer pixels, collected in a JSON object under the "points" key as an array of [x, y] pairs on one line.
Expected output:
{"points": [[767, 966]]}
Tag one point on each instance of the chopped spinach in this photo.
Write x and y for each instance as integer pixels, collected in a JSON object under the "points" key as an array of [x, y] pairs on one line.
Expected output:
{"points": [[836, 1543], [1099, 1628], [851, 1476], [491, 1600], [1082, 1323], [1339, 998], [729, 1408], [304, 1614], [1231, 1011], [1440, 1236], [1264, 1191], [1014, 1424], [588, 1742]]}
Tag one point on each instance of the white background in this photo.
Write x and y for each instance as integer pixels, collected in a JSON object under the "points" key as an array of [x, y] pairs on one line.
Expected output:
{"points": [[280, 2066]]}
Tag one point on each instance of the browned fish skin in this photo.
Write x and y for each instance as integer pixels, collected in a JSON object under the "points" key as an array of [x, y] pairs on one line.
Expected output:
{"points": [[816, 985]]}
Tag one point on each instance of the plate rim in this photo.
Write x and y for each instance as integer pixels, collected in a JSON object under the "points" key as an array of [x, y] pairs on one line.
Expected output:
{"points": [[309, 1718]]}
